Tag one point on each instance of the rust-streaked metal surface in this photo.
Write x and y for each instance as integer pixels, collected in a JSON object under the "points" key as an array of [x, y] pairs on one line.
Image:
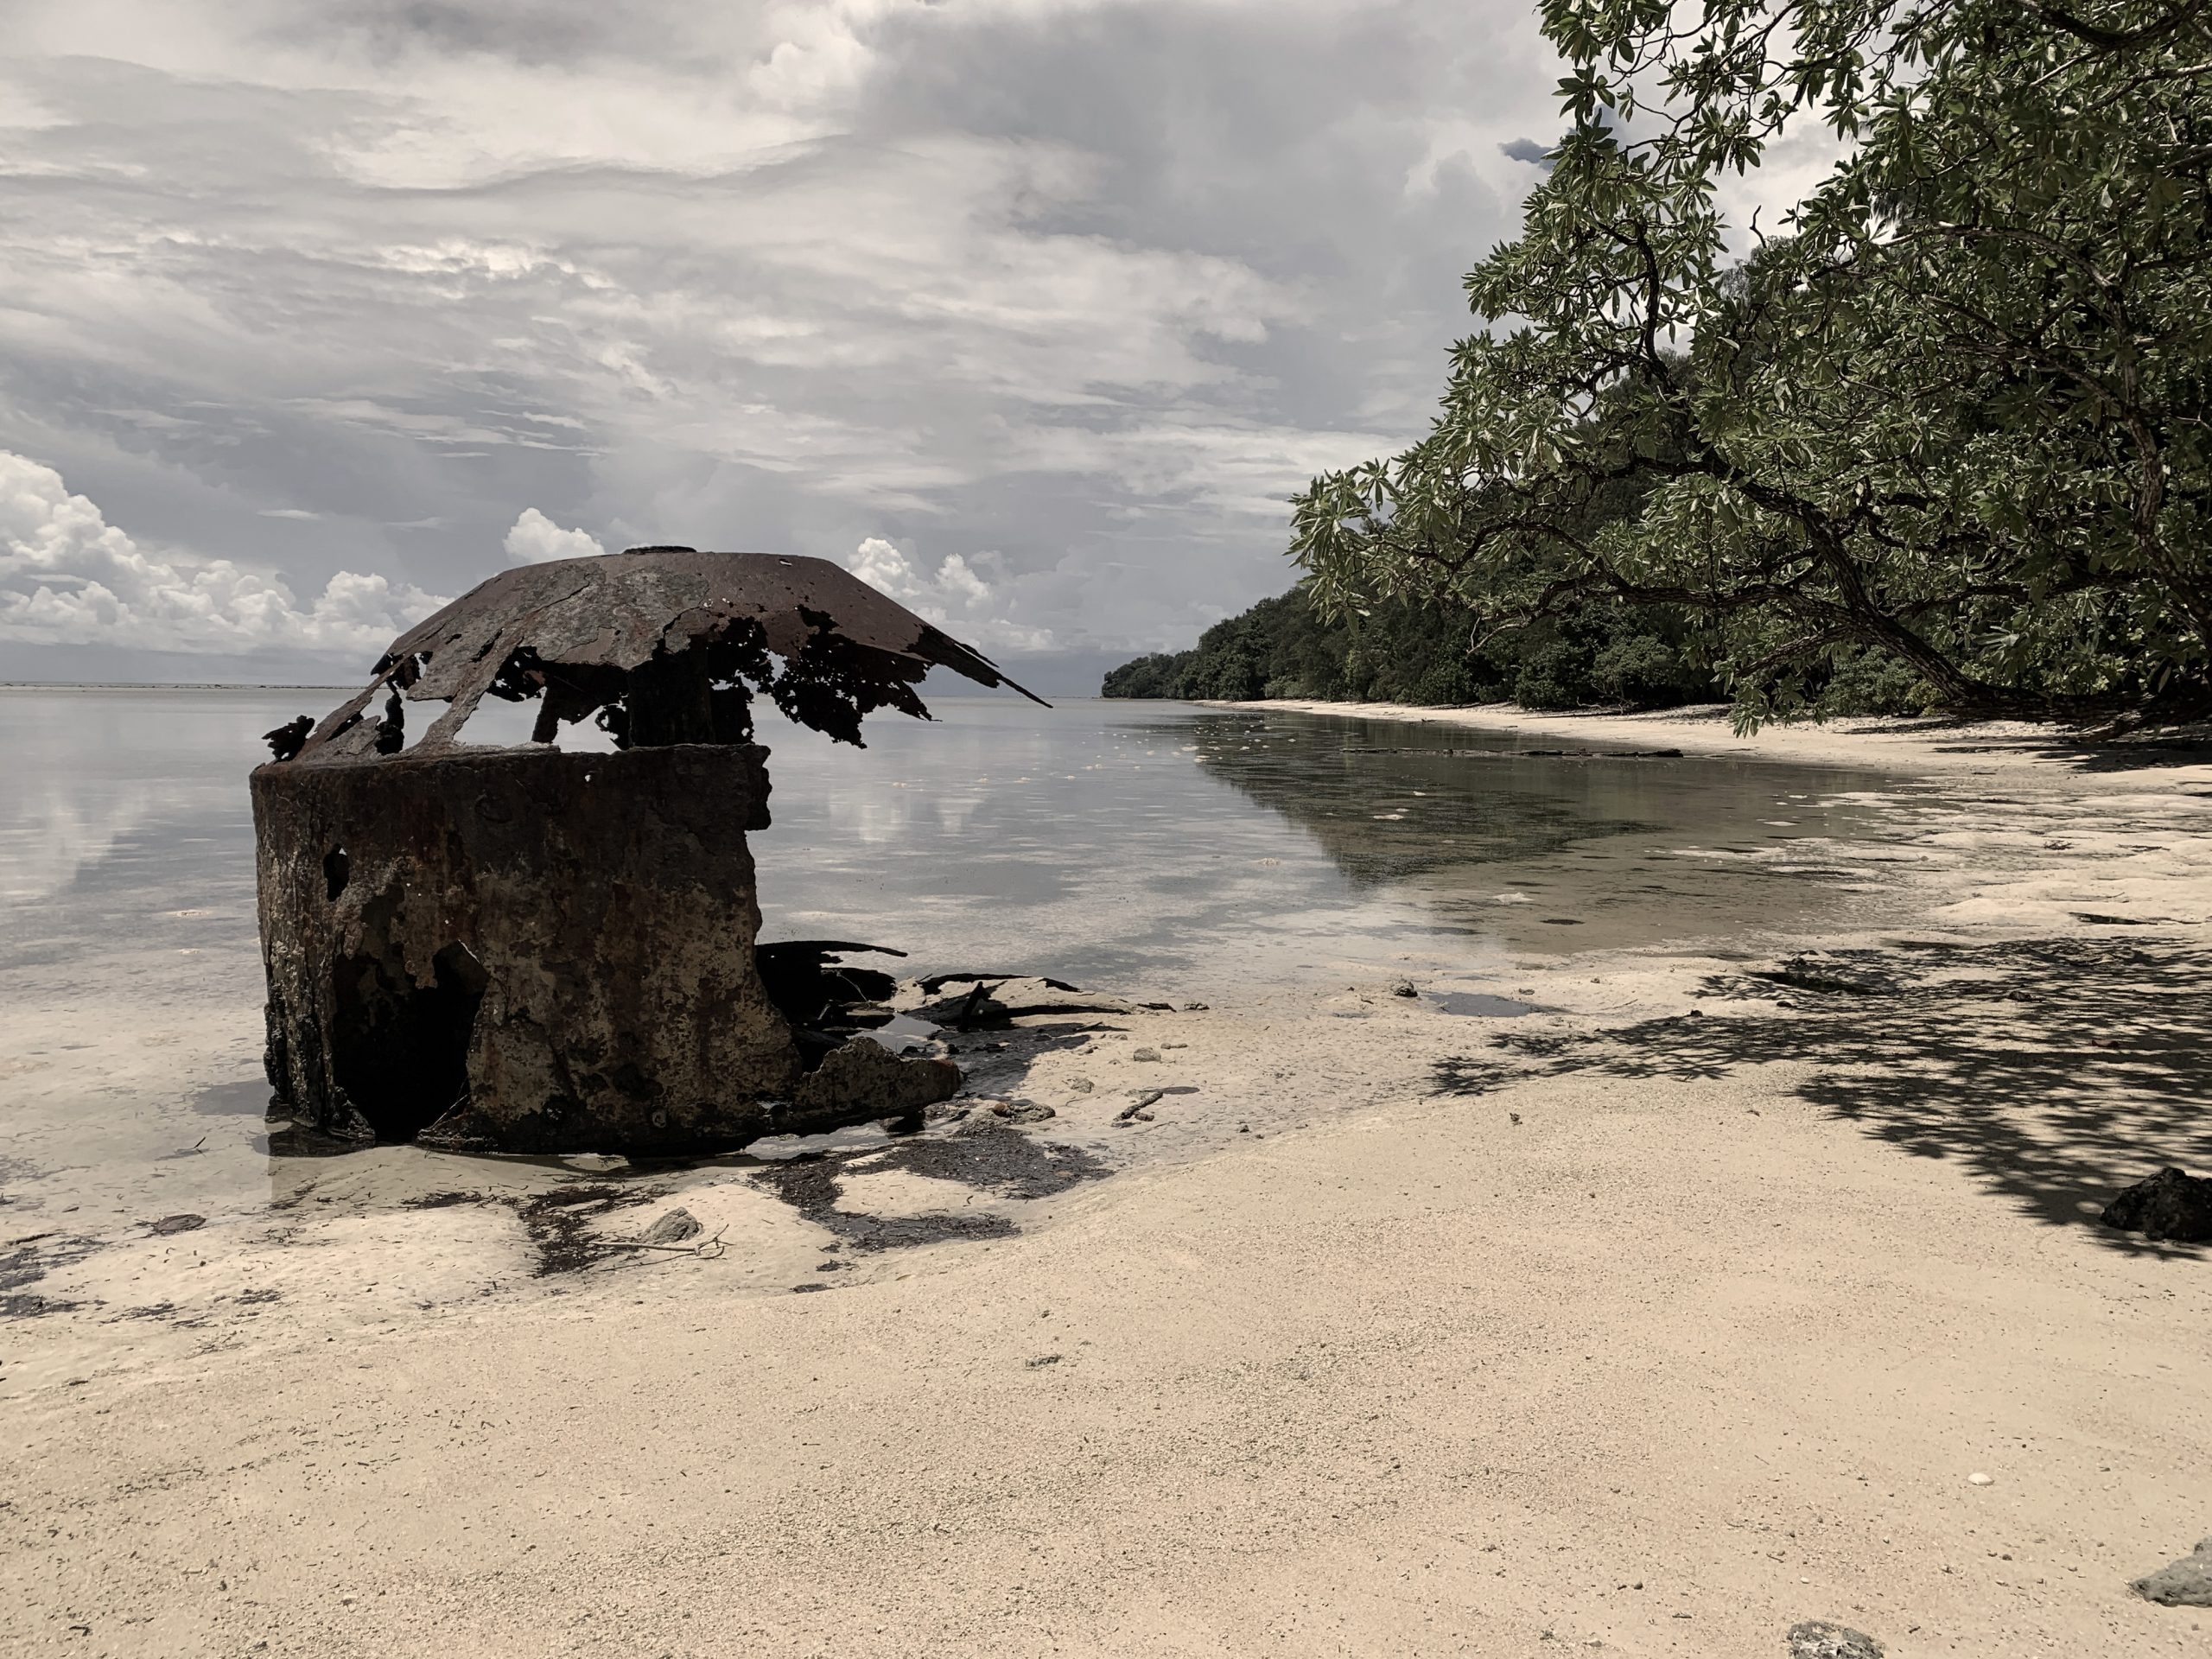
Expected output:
{"points": [[579, 631], [521, 949]]}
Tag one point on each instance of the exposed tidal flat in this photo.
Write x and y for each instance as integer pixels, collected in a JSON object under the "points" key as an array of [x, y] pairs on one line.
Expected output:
{"points": [[1661, 1271]]}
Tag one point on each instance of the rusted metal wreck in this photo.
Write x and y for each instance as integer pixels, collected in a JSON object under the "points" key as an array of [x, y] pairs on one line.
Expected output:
{"points": [[528, 949]]}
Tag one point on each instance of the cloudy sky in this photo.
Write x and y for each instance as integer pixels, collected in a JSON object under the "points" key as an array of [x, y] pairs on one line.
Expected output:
{"points": [[1030, 311]]}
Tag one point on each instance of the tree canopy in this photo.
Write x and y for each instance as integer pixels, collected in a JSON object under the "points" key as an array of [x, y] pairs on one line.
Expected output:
{"points": [[1950, 410], [1613, 656]]}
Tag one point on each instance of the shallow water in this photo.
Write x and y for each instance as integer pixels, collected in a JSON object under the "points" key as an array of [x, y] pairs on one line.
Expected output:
{"points": [[1190, 850], [1159, 850]]}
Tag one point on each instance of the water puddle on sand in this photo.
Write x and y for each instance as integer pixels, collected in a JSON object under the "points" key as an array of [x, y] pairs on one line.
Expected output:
{"points": [[1157, 851], [1482, 1005]]}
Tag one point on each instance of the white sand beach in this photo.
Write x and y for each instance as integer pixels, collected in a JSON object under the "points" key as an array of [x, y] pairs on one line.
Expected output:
{"points": [[1737, 1280]]}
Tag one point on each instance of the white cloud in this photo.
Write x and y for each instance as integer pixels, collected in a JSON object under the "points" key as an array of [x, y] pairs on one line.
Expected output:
{"points": [[535, 538], [1095, 283], [69, 577], [954, 597]]}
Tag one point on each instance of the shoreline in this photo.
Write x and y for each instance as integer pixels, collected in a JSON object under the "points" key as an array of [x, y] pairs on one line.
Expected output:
{"points": [[1667, 1296], [161, 685], [1926, 743]]}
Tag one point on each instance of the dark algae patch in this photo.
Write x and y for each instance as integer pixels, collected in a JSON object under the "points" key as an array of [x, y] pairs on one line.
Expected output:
{"points": [[988, 1155], [25, 1261], [985, 1156], [443, 1200], [558, 1222], [29, 1305], [996, 1158], [809, 1185]]}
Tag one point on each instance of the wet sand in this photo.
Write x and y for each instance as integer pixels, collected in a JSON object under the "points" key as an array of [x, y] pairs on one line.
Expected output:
{"points": [[1671, 1293]]}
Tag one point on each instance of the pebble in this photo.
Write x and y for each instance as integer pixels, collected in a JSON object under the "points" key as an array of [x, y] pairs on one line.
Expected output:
{"points": [[1978, 1479], [1816, 1638], [672, 1227], [1146, 1054]]}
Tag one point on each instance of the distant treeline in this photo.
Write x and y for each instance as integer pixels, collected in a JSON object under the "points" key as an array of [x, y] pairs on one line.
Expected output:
{"points": [[1596, 655]]}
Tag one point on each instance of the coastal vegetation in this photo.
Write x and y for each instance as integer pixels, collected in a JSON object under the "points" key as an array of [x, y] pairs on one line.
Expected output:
{"points": [[1401, 651], [1934, 438]]}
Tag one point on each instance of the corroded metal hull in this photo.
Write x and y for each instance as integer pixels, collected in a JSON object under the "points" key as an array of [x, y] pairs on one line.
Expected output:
{"points": [[525, 951]]}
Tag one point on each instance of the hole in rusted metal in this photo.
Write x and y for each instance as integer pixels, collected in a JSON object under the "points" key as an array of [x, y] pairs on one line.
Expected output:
{"points": [[501, 724], [400, 1049], [337, 869]]}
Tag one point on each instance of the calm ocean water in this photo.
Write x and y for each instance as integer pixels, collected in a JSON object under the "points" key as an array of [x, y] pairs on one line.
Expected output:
{"points": [[1159, 850]]}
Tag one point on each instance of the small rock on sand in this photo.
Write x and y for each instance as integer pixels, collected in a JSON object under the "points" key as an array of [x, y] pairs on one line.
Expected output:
{"points": [[2169, 1205], [2184, 1583], [169, 1224], [1818, 1639], [1146, 1054], [672, 1228]]}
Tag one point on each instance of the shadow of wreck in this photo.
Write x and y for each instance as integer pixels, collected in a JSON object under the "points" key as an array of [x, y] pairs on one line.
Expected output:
{"points": [[2056, 1071]]}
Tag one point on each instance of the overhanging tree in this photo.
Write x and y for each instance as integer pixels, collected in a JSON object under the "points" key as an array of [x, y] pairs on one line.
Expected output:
{"points": [[1954, 414]]}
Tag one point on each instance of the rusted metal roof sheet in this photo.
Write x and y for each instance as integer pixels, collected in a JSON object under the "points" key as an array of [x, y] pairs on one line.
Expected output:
{"points": [[616, 612]]}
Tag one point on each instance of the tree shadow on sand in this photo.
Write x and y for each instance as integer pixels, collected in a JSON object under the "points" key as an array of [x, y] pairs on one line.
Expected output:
{"points": [[2091, 746], [2056, 1071]]}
